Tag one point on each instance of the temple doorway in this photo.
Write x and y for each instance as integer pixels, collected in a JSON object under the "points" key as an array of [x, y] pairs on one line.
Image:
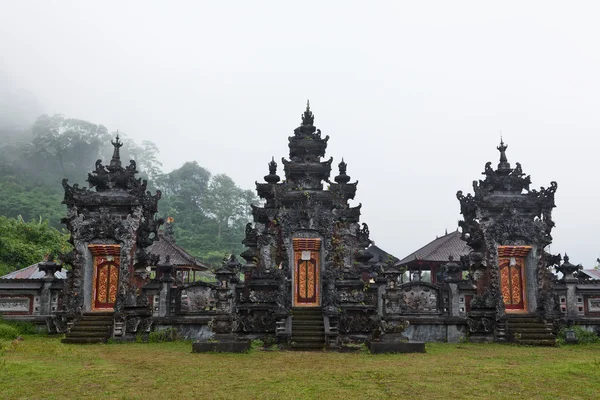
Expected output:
{"points": [[511, 263], [105, 285], [105, 281], [307, 272]]}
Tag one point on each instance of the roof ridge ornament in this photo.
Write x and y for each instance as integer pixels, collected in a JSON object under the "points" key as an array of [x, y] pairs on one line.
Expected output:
{"points": [[504, 164], [342, 178], [115, 162], [308, 118], [272, 177]]}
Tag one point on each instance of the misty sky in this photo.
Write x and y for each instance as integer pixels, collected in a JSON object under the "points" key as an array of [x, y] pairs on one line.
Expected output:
{"points": [[413, 94]]}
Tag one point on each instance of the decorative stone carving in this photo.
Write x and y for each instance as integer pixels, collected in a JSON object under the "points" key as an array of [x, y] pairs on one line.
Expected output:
{"points": [[120, 211], [504, 211], [413, 298], [198, 298], [299, 207], [15, 304], [356, 321]]}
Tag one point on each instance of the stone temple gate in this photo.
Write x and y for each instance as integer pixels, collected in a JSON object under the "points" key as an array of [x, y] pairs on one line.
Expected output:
{"points": [[306, 279]]}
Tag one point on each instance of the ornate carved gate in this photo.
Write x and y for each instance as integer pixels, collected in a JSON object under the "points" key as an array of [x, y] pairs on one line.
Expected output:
{"points": [[307, 272], [511, 262], [105, 282]]}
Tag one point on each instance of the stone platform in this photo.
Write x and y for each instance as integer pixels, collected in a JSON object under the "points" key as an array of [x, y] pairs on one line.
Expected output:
{"points": [[226, 346], [395, 347]]}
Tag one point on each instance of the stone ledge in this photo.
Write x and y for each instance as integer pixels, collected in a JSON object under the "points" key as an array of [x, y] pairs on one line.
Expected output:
{"points": [[229, 346], [395, 347]]}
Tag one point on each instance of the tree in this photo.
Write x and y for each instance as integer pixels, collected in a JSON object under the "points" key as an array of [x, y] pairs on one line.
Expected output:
{"points": [[184, 191], [26, 243], [147, 160], [70, 147], [227, 203]]}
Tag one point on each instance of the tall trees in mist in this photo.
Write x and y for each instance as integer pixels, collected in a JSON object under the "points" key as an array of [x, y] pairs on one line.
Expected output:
{"points": [[210, 212]]}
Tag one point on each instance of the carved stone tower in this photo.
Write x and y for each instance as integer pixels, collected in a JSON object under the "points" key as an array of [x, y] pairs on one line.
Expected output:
{"points": [[507, 227], [110, 229], [306, 248]]}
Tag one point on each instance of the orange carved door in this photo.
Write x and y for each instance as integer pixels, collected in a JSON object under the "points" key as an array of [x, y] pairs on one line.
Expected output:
{"points": [[511, 262], [511, 282], [306, 272], [105, 284], [105, 278]]}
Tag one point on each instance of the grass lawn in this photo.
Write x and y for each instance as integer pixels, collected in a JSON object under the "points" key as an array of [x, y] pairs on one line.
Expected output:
{"points": [[42, 367]]}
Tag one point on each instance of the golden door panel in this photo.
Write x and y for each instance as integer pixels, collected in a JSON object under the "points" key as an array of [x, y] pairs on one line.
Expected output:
{"points": [[511, 282], [106, 280], [306, 272], [306, 282]]}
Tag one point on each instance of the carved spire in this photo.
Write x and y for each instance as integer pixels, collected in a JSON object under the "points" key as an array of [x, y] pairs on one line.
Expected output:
{"points": [[342, 177], [169, 231], [272, 177], [272, 166], [504, 164], [115, 162], [308, 118]]}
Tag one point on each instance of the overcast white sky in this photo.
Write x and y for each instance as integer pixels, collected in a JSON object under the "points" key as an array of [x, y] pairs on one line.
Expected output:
{"points": [[413, 94]]}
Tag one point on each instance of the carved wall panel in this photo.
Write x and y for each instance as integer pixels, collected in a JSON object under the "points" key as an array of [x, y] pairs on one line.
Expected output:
{"points": [[413, 298], [198, 298], [13, 304]]}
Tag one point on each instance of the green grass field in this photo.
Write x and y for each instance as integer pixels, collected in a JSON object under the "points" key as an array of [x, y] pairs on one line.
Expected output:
{"points": [[41, 367]]}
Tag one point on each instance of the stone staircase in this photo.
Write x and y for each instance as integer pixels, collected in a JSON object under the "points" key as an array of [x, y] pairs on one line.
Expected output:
{"points": [[93, 327], [529, 330], [308, 330]]}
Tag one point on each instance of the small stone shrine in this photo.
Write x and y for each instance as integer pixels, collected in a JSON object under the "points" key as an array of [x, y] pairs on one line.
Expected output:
{"points": [[507, 226], [110, 228], [306, 271]]}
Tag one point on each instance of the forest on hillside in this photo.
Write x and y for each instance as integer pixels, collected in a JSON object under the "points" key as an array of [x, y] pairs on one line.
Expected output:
{"points": [[209, 211]]}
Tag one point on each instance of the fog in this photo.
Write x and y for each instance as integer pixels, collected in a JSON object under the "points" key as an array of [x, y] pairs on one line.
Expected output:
{"points": [[414, 95]]}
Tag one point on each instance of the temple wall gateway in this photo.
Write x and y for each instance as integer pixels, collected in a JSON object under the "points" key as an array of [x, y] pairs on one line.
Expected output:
{"points": [[308, 280]]}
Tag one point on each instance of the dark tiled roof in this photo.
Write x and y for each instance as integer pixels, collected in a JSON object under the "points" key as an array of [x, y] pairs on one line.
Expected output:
{"points": [[440, 249], [592, 273], [376, 252], [179, 257], [33, 272]]}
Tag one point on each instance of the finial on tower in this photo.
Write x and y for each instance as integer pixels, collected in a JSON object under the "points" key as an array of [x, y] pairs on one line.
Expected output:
{"points": [[272, 177], [342, 177], [308, 118], [115, 162], [503, 165]]}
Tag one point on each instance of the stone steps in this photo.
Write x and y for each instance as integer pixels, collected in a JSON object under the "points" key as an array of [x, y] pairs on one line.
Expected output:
{"points": [[528, 326], [91, 328], [93, 323], [548, 342], [305, 332], [530, 331], [307, 317], [308, 330], [307, 346], [536, 336], [307, 339], [81, 340], [308, 322]]}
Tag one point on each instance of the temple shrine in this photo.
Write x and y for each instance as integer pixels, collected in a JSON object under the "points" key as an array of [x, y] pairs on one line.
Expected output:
{"points": [[310, 277]]}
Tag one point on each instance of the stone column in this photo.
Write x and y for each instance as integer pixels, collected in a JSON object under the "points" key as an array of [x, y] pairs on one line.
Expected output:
{"points": [[166, 283], [571, 283], [454, 299], [568, 269], [49, 268]]}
